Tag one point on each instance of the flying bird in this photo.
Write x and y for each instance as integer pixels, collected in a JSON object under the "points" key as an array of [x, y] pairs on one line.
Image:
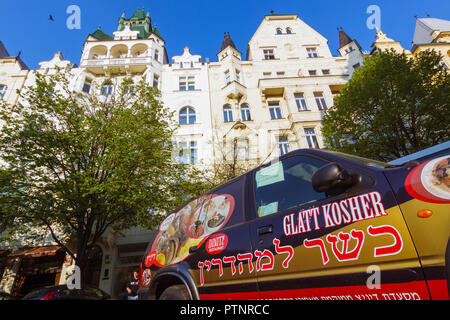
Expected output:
{"points": [[51, 18]]}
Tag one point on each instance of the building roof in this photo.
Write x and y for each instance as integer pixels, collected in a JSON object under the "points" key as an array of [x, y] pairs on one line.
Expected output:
{"points": [[100, 35], [425, 27], [227, 41], [3, 52], [344, 39]]}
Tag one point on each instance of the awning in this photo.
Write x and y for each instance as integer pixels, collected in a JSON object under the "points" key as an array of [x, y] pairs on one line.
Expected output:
{"points": [[35, 252]]}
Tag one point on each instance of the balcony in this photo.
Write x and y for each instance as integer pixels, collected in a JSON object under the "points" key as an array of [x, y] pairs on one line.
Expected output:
{"points": [[125, 65]]}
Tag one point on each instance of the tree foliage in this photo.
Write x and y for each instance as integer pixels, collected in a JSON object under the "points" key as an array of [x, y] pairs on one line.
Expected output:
{"points": [[393, 106], [77, 164]]}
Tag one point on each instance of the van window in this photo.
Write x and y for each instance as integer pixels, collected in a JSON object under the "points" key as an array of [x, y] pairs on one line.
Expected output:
{"points": [[286, 184]]}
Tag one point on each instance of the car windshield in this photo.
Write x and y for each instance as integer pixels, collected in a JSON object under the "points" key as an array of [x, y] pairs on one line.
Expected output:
{"points": [[364, 161]]}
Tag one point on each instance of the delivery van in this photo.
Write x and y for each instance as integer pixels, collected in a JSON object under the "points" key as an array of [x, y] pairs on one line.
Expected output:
{"points": [[310, 225]]}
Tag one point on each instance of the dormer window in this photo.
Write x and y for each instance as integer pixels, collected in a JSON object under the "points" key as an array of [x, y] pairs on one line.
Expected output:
{"points": [[268, 54], [312, 52]]}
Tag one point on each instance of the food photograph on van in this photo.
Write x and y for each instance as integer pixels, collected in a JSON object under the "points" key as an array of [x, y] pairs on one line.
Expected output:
{"points": [[190, 226]]}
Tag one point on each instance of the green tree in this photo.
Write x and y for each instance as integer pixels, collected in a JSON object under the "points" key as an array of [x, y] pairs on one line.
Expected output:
{"points": [[77, 164], [393, 106]]}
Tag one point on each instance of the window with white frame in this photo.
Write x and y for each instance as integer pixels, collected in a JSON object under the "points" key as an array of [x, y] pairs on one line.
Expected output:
{"points": [[267, 74], [227, 114], [312, 52], [187, 116], [320, 101], [312, 72], [241, 149], [311, 138], [227, 77], [279, 31], [186, 83], [280, 74], [3, 89], [238, 75], [275, 110], [187, 152], [86, 86], [268, 54], [107, 89], [288, 30], [156, 55], [325, 71], [245, 112], [300, 101], [283, 144], [155, 81]]}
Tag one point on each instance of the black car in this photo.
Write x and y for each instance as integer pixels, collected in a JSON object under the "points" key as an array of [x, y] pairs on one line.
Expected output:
{"points": [[62, 292], [6, 296]]}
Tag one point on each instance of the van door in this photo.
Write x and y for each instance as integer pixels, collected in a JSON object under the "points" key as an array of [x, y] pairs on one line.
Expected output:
{"points": [[222, 266], [350, 246]]}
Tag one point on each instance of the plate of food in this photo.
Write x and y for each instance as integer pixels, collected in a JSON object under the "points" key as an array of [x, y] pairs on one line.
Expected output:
{"points": [[435, 177]]}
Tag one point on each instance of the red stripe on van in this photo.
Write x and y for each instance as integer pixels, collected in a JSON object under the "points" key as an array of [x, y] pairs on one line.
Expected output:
{"points": [[416, 290]]}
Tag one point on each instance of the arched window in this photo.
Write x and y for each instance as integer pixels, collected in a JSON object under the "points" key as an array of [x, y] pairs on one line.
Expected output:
{"points": [[245, 112], [227, 114], [187, 116], [3, 89], [288, 30], [279, 31]]}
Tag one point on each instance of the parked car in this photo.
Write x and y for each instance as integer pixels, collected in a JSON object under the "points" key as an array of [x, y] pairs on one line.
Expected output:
{"points": [[61, 292], [313, 225], [6, 296]]}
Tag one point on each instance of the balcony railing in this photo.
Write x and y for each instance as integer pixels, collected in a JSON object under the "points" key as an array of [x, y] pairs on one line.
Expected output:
{"points": [[115, 61]]}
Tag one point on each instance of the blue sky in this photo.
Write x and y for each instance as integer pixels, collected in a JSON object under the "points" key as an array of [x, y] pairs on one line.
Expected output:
{"points": [[200, 24]]}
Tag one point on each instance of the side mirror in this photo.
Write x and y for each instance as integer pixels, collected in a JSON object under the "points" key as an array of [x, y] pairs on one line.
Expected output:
{"points": [[332, 177]]}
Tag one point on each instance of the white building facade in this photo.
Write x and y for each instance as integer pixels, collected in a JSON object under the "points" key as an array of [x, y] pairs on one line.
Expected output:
{"points": [[273, 101]]}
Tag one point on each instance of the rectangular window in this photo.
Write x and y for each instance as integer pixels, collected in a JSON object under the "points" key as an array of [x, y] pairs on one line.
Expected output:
{"points": [[227, 114], [267, 74], [155, 81], [280, 74], [245, 112], [312, 72], [227, 77], [193, 152], [268, 54], [107, 90], [320, 100], [182, 85], [325, 71], [275, 110], [356, 66], [156, 56], [300, 101], [283, 145], [312, 52], [87, 86], [241, 150], [2, 91], [191, 83], [188, 152], [238, 76], [311, 138]]}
